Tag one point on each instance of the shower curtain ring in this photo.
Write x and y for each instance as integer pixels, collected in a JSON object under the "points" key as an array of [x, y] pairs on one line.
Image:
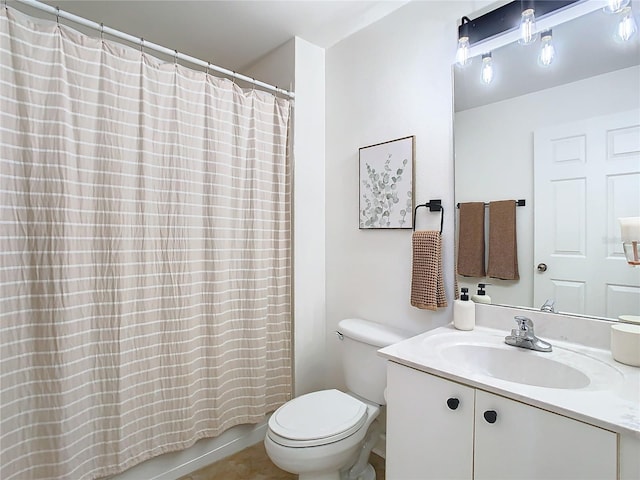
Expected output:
{"points": [[207, 70], [141, 45], [102, 32], [58, 15], [175, 57]]}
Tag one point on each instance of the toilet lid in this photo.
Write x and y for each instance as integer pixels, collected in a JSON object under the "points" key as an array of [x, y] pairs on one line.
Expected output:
{"points": [[318, 418]]}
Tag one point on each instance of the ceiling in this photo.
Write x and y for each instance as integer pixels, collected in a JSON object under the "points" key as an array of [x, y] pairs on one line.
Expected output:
{"points": [[231, 34]]}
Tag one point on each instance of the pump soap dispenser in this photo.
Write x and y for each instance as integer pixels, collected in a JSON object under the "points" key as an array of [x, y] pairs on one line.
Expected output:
{"points": [[464, 312], [481, 296]]}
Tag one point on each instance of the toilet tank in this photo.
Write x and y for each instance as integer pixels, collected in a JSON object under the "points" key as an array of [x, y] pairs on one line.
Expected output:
{"points": [[365, 372]]}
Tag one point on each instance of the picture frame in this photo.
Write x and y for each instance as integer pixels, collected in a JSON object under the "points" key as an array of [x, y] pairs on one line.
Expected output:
{"points": [[386, 182]]}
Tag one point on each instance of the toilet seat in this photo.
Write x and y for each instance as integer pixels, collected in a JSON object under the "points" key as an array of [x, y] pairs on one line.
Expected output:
{"points": [[317, 418]]}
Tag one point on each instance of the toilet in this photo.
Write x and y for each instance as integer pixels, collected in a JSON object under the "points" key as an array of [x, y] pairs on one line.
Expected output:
{"points": [[329, 434]]}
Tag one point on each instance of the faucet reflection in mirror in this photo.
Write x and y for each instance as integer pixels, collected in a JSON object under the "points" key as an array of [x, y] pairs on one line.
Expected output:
{"points": [[630, 233]]}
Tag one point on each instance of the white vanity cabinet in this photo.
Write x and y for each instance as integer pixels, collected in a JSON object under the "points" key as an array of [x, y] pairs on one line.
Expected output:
{"points": [[485, 436]]}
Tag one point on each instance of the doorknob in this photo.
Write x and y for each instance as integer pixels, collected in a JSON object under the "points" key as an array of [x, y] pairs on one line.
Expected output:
{"points": [[542, 267]]}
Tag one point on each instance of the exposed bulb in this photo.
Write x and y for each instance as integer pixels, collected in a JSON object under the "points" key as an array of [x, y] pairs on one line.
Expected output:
{"points": [[528, 27], [547, 51], [462, 54], [487, 68], [614, 6], [627, 26]]}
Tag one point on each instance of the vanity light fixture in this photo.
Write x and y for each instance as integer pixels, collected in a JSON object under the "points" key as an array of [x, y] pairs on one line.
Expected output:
{"points": [[528, 23], [462, 53], [487, 68], [547, 51], [627, 26], [614, 6], [518, 14]]}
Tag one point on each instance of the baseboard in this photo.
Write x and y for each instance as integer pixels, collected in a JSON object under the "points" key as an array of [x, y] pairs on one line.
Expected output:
{"points": [[172, 466]]}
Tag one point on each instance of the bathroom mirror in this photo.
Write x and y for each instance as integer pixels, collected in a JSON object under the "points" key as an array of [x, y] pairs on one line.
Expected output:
{"points": [[505, 134]]}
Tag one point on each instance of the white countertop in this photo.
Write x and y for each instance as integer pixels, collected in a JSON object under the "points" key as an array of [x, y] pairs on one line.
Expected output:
{"points": [[611, 401]]}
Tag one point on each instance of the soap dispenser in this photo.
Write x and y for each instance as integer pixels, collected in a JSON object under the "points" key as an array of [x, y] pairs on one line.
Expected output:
{"points": [[464, 312], [481, 296]]}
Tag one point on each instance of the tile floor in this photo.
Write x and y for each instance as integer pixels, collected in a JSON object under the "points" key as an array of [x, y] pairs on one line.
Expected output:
{"points": [[253, 464]]}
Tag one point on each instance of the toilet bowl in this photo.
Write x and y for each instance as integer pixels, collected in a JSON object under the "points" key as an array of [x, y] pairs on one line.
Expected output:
{"points": [[329, 434], [320, 435]]}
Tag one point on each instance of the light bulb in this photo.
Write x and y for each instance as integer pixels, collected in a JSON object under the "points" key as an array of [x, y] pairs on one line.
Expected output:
{"points": [[614, 6], [528, 27], [462, 54], [547, 51], [627, 26], [487, 68]]}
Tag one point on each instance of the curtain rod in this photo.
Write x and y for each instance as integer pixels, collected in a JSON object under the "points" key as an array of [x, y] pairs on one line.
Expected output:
{"points": [[152, 46]]}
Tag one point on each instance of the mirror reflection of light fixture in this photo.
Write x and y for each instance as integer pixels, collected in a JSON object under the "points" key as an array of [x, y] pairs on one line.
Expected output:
{"points": [[614, 6], [528, 23], [487, 68], [547, 51], [630, 234], [462, 53], [627, 26]]}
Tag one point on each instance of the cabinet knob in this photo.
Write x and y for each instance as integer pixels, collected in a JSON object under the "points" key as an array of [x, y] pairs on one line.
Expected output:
{"points": [[453, 403], [490, 416]]}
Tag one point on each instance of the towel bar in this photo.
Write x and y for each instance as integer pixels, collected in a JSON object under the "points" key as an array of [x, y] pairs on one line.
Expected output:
{"points": [[433, 206], [519, 203]]}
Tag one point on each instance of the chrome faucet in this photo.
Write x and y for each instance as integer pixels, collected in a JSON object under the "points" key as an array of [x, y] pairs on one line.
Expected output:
{"points": [[524, 337], [549, 306]]}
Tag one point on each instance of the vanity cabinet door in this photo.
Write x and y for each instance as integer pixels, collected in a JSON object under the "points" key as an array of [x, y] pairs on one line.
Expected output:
{"points": [[429, 426], [517, 441]]}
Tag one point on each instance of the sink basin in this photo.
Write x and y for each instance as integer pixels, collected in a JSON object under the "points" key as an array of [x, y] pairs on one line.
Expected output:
{"points": [[486, 355], [517, 365]]}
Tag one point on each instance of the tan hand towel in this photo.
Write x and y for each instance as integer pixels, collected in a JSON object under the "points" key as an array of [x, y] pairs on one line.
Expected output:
{"points": [[471, 240], [427, 283], [503, 251]]}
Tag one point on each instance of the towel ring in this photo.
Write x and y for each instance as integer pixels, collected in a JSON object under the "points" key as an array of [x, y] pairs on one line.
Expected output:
{"points": [[433, 206]]}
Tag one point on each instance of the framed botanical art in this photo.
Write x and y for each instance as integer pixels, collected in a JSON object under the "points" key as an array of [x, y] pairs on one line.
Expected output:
{"points": [[386, 184]]}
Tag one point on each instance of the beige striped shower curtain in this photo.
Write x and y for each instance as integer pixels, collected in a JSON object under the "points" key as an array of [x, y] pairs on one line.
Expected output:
{"points": [[145, 257]]}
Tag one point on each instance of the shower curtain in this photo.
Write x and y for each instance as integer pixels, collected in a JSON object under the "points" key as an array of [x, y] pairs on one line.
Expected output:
{"points": [[145, 254]]}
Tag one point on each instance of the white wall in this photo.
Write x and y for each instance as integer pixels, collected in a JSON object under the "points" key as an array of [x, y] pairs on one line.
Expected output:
{"points": [[277, 67], [390, 80], [494, 155], [309, 218]]}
